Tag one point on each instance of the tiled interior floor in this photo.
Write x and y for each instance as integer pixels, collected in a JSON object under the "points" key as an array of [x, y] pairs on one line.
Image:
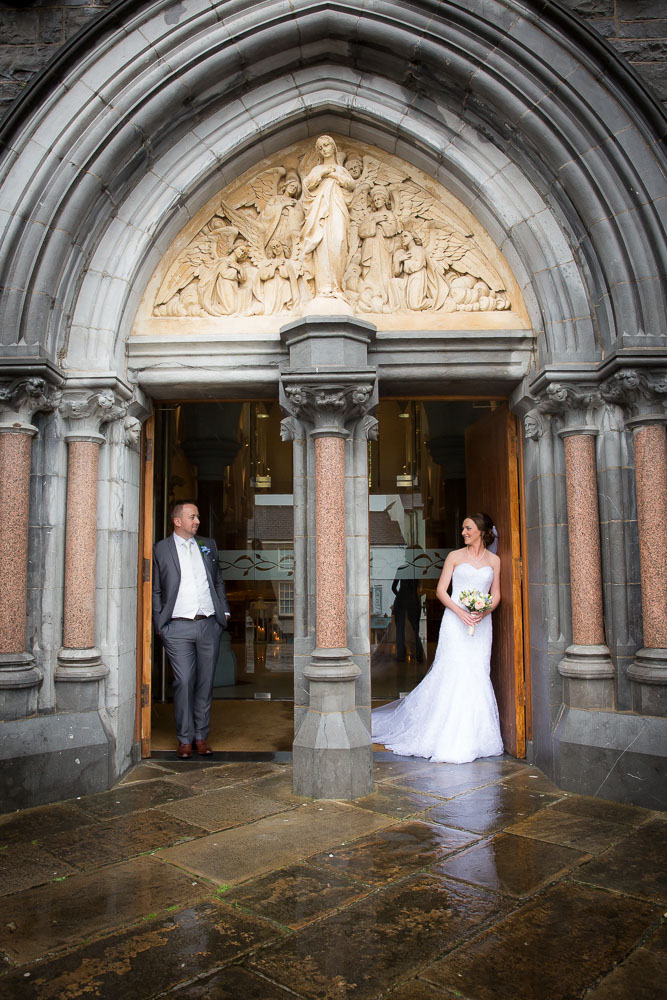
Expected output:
{"points": [[209, 881]]}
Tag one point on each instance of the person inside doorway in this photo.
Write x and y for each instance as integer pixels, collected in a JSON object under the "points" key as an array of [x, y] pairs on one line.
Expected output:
{"points": [[190, 613], [407, 604]]}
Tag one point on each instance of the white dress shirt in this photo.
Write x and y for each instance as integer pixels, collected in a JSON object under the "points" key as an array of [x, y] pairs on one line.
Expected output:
{"points": [[194, 593]]}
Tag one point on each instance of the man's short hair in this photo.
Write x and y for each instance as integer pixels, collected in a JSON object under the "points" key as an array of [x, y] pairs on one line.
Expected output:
{"points": [[177, 509]]}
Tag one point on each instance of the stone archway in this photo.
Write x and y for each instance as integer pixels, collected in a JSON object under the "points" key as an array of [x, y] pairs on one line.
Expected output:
{"points": [[539, 131]]}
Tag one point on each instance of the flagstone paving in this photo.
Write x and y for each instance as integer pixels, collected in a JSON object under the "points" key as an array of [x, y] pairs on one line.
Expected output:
{"points": [[204, 880]]}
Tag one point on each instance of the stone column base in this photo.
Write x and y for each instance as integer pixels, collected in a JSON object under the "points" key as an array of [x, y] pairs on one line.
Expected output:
{"points": [[332, 751], [648, 674], [19, 683], [78, 677], [588, 675]]}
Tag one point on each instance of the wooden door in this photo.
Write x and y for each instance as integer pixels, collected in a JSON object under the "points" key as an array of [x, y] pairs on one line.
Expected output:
{"points": [[492, 486], [144, 626]]}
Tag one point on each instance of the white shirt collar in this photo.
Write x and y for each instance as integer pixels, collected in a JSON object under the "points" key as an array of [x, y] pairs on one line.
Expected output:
{"points": [[182, 541]]}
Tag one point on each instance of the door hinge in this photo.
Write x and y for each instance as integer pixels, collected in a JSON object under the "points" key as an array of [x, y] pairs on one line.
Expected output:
{"points": [[145, 695], [147, 570]]}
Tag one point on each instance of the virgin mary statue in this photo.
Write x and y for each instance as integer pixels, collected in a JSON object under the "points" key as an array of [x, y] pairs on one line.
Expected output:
{"points": [[324, 234]]}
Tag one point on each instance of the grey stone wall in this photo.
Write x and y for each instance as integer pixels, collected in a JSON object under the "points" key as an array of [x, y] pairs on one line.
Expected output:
{"points": [[637, 29], [32, 32]]}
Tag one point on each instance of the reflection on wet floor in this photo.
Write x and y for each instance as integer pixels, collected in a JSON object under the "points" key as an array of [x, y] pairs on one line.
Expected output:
{"points": [[213, 881]]}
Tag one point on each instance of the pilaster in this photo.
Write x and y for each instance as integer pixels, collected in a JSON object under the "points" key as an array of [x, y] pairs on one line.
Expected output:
{"points": [[20, 678]]}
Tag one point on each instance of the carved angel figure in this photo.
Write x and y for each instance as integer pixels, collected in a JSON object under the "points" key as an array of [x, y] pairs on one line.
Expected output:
{"points": [[413, 285], [276, 283], [189, 287], [377, 232], [325, 231], [272, 201]]}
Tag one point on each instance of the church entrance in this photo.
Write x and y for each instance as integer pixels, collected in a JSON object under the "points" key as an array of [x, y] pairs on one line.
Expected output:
{"points": [[433, 462]]}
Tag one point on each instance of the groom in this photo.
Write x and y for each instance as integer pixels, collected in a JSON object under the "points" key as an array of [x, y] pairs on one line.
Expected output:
{"points": [[190, 611]]}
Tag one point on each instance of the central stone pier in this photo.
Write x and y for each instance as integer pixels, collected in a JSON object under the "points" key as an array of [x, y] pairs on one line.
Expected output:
{"points": [[329, 391]]}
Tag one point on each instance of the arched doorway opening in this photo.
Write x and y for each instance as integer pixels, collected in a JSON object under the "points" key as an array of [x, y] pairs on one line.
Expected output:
{"points": [[433, 460]]}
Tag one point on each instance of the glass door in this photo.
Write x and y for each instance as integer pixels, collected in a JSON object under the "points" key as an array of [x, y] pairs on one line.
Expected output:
{"points": [[417, 499], [228, 458]]}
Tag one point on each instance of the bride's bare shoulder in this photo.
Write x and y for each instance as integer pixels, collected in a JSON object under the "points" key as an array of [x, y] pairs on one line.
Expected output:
{"points": [[457, 555]]}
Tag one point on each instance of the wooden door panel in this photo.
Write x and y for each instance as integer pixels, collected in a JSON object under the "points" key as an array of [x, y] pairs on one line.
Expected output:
{"points": [[144, 625], [492, 487]]}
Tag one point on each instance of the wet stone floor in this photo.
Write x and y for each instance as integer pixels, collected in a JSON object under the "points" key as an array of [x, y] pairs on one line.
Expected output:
{"points": [[212, 881]]}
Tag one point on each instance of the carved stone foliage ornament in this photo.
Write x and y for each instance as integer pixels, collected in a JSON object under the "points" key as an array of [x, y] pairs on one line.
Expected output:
{"points": [[636, 391], [329, 405], [85, 412], [23, 397], [329, 227]]}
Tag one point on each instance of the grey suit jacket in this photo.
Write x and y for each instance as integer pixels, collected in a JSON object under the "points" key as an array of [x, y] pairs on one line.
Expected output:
{"points": [[167, 580]]}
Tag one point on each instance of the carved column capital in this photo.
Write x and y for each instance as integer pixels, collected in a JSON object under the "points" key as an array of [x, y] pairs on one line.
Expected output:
{"points": [[328, 403], [84, 412], [642, 395], [21, 398], [571, 405]]}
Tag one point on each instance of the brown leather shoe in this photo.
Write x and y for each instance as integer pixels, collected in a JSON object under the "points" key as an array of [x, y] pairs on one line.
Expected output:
{"points": [[203, 748], [184, 750]]}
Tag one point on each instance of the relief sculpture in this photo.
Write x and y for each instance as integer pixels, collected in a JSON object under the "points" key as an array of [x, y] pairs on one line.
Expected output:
{"points": [[325, 224]]}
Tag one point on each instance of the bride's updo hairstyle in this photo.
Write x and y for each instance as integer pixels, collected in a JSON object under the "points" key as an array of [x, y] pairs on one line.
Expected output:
{"points": [[485, 525]]}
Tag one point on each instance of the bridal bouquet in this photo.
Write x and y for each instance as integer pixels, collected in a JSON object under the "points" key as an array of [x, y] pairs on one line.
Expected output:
{"points": [[475, 600]]}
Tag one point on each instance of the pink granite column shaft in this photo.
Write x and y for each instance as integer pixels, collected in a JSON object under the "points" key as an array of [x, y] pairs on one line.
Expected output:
{"points": [[330, 542], [15, 448], [584, 536], [80, 545], [651, 482]]}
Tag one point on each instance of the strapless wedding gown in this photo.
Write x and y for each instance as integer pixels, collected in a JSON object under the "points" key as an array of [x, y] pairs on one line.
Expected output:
{"points": [[452, 714]]}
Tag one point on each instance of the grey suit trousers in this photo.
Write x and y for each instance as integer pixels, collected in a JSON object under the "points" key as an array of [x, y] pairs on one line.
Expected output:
{"points": [[192, 648]]}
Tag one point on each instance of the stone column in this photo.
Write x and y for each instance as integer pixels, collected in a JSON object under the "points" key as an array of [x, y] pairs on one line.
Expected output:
{"points": [[327, 389], [642, 394], [586, 666], [19, 676], [80, 671], [649, 670]]}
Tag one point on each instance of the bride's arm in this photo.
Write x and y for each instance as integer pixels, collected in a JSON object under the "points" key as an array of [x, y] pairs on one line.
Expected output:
{"points": [[494, 591], [443, 596]]}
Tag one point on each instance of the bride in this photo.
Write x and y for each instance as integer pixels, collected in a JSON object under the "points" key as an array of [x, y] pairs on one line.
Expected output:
{"points": [[452, 714]]}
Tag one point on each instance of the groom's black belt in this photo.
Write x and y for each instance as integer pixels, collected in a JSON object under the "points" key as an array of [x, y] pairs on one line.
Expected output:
{"points": [[197, 618]]}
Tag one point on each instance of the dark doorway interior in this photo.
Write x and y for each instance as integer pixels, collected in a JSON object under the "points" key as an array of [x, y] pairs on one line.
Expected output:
{"points": [[229, 458]]}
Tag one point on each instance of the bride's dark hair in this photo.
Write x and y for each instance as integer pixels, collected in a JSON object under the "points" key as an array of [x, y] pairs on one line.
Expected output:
{"points": [[485, 525]]}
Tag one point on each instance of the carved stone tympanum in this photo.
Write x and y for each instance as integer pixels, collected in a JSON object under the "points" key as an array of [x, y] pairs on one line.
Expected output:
{"points": [[326, 228]]}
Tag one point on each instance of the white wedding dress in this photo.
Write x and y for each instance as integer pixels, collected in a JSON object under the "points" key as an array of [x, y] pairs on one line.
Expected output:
{"points": [[452, 714]]}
